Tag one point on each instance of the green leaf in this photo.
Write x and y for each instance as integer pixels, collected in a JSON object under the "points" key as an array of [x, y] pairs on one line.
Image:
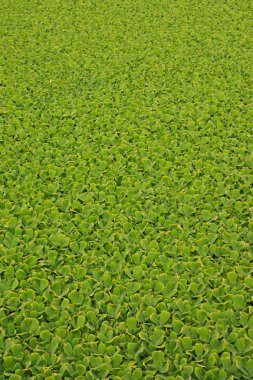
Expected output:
{"points": [[222, 375], [199, 350], [158, 359], [59, 240], [164, 317], [226, 360], [116, 360], [249, 366], [76, 297], [157, 337], [9, 362], [239, 302], [206, 215], [54, 344], [232, 277], [204, 334], [177, 325], [131, 323], [249, 282], [17, 350], [92, 318], [241, 345], [137, 271], [250, 334], [68, 350], [199, 373], [187, 343], [15, 377], [137, 374], [187, 371], [81, 319], [30, 325], [43, 284]]}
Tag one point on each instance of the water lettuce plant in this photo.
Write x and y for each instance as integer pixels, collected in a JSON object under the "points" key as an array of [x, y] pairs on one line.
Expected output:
{"points": [[126, 190]]}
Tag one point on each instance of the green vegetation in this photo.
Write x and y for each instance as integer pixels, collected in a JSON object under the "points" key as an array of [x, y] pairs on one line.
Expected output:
{"points": [[126, 200]]}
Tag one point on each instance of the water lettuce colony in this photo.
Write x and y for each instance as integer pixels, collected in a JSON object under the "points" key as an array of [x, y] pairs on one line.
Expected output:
{"points": [[126, 200]]}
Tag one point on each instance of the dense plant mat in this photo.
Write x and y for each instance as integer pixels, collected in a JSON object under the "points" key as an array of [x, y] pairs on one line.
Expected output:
{"points": [[126, 199]]}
